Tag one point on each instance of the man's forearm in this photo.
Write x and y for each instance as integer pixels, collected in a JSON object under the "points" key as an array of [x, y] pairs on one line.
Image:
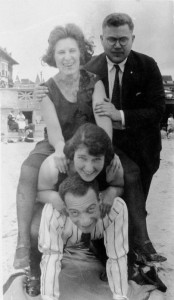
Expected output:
{"points": [[116, 242], [117, 277], [49, 276], [50, 243]]}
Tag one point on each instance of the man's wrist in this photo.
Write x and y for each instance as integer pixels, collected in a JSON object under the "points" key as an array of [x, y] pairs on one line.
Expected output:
{"points": [[117, 116]]}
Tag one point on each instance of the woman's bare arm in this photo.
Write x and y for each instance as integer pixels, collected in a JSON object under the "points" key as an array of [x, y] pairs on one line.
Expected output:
{"points": [[99, 96], [48, 177], [54, 131]]}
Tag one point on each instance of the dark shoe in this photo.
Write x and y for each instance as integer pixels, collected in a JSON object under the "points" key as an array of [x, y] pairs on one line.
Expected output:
{"points": [[151, 277], [135, 275], [146, 275], [21, 259], [32, 284], [147, 250]]}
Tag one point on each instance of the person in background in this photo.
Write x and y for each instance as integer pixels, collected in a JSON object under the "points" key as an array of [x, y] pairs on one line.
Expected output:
{"points": [[170, 125], [29, 138], [21, 124], [13, 125]]}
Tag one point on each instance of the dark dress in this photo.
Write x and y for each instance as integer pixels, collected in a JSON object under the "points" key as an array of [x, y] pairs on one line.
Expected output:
{"points": [[70, 115]]}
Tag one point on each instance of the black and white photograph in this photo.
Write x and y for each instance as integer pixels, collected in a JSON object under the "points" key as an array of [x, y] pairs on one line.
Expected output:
{"points": [[87, 149]]}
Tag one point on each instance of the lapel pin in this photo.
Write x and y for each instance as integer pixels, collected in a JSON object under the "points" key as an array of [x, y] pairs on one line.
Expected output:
{"points": [[131, 72]]}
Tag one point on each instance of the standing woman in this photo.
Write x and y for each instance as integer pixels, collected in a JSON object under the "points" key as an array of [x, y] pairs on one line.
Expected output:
{"points": [[67, 106], [21, 125]]}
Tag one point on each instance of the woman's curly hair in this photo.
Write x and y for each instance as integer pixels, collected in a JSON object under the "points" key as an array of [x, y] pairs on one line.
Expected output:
{"points": [[94, 138], [68, 31]]}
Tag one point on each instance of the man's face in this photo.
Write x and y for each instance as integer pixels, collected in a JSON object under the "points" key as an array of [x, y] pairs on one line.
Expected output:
{"points": [[83, 210], [115, 50]]}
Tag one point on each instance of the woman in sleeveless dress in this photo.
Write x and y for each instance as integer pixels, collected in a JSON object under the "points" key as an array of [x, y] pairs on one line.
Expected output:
{"points": [[67, 106]]}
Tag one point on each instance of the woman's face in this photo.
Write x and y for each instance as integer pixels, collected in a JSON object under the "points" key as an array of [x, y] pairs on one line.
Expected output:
{"points": [[67, 56], [86, 165]]}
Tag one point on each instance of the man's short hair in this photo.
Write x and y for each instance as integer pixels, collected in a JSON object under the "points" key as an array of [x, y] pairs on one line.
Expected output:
{"points": [[118, 19], [75, 185]]}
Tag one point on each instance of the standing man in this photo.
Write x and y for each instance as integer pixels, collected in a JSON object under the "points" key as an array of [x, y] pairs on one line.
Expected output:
{"points": [[135, 105]]}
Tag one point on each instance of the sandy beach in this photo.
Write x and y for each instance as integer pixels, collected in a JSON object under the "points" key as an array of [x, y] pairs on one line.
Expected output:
{"points": [[160, 207]]}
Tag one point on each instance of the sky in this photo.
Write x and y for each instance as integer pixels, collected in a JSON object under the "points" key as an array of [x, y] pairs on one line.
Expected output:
{"points": [[25, 26]]}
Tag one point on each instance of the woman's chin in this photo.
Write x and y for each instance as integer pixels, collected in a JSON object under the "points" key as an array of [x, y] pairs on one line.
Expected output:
{"points": [[88, 178]]}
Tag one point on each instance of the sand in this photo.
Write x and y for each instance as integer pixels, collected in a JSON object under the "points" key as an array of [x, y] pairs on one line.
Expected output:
{"points": [[160, 207]]}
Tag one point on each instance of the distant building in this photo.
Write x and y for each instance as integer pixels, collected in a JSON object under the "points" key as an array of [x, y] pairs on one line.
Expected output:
{"points": [[6, 68], [23, 83], [20, 98]]}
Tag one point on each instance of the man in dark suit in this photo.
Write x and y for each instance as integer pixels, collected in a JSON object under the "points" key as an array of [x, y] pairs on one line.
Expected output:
{"points": [[135, 104]]}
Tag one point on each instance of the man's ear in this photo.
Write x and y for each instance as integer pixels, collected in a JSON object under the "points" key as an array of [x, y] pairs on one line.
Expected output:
{"points": [[133, 38]]}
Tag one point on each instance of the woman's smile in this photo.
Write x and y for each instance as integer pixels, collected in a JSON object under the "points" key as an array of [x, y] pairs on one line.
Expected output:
{"points": [[67, 56], [86, 165]]}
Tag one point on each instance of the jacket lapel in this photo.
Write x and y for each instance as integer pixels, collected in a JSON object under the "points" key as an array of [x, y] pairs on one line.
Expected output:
{"points": [[130, 77]]}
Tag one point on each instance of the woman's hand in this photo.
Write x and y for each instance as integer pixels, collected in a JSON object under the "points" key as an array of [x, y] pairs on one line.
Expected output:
{"points": [[113, 168], [40, 92], [106, 200], [61, 162]]}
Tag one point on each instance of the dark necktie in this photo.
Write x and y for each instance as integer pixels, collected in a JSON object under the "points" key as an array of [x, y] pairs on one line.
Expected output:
{"points": [[86, 238], [116, 89]]}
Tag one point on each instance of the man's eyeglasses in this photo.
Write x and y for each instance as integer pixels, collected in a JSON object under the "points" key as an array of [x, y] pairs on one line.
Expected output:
{"points": [[122, 41]]}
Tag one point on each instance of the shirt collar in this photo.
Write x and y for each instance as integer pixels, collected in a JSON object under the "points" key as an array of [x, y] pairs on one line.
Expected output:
{"points": [[111, 64]]}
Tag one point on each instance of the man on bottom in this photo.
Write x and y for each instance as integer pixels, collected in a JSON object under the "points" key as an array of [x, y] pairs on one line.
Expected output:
{"points": [[58, 231]]}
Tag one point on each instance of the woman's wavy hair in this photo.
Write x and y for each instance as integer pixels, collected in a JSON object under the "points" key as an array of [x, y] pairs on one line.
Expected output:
{"points": [[94, 138], [68, 31]]}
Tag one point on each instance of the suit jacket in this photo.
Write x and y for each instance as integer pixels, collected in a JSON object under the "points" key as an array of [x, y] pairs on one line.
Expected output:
{"points": [[143, 102]]}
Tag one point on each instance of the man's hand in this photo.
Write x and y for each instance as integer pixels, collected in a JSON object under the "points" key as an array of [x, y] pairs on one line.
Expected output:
{"points": [[108, 109], [40, 92]]}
